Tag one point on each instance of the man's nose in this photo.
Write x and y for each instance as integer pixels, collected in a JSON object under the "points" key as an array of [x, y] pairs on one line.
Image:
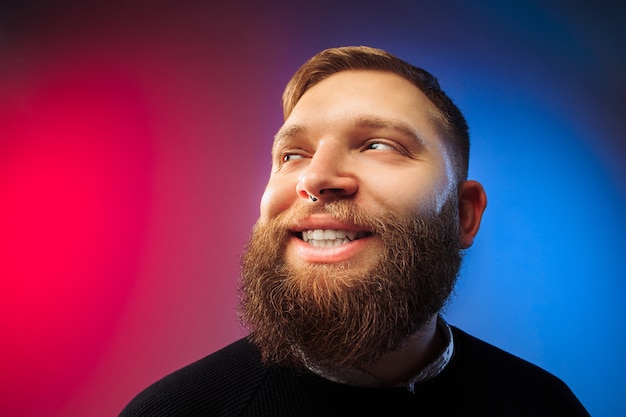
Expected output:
{"points": [[329, 175]]}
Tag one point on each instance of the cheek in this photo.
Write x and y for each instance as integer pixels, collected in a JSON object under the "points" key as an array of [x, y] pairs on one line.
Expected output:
{"points": [[447, 181], [418, 192], [444, 189], [426, 190], [266, 203], [275, 200]]}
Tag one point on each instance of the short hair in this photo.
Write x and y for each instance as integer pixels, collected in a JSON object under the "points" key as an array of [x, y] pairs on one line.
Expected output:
{"points": [[333, 60]]}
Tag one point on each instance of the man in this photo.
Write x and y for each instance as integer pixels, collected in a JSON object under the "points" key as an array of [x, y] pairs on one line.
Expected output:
{"points": [[358, 246]]}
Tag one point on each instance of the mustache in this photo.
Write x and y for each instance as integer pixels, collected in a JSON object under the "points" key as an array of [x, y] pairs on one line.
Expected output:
{"points": [[345, 211]]}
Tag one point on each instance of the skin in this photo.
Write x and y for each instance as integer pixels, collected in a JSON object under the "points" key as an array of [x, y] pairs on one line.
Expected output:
{"points": [[374, 138]]}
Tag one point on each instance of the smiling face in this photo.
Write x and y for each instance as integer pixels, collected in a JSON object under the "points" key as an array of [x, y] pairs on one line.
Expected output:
{"points": [[349, 275], [370, 137]]}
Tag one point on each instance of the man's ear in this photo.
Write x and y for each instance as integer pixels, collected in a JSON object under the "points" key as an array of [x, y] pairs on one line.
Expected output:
{"points": [[472, 203]]}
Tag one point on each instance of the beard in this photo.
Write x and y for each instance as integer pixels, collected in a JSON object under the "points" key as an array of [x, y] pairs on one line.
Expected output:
{"points": [[344, 315]]}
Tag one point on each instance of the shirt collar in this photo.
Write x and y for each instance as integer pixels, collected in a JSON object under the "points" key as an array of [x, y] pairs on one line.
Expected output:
{"points": [[359, 378]]}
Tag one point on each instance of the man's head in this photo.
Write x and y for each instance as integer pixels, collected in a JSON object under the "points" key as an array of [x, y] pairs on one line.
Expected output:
{"points": [[366, 211], [335, 60]]}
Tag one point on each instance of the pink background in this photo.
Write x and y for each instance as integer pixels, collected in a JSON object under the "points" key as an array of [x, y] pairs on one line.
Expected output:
{"points": [[134, 151]]}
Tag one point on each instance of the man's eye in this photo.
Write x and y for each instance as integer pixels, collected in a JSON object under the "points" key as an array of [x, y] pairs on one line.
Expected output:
{"points": [[290, 157], [380, 146]]}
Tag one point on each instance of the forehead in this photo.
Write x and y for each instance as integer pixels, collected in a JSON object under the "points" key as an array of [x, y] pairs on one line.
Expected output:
{"points": [[357, 95]]}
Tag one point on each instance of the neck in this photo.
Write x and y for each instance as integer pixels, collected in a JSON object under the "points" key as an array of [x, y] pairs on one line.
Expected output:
{"points": [[417, 352]]}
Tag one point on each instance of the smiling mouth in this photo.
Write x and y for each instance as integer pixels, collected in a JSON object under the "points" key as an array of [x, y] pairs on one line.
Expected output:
{"points": [[331, 238]]}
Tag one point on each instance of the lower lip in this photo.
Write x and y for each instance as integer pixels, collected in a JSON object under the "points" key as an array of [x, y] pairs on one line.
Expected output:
{"points": [[312, 254]]}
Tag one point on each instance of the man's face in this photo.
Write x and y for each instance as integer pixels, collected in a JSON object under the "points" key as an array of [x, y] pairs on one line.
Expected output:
{"points": [[367, 136], [347, 278]]}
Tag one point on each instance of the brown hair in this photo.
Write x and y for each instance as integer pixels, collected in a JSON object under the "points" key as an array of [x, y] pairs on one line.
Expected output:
{"points": [[334, 60]]}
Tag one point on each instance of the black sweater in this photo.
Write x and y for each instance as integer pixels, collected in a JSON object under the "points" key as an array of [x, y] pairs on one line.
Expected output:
{"points": [[480, 380]]}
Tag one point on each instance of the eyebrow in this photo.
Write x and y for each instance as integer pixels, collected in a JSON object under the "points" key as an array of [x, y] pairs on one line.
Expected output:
{"points": [[376, 122], [284, 134], [288, 132], [361, 122]]}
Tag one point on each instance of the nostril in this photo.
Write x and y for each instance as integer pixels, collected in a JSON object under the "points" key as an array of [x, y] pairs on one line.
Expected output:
{"points": [[332, 191], [303, 193]]}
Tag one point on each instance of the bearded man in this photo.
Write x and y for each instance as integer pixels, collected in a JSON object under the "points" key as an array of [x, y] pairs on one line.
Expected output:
{"points": [[358, 246]]}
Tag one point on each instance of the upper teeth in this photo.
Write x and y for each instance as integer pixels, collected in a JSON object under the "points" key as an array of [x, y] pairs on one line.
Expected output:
{"points": [[329, 237]]}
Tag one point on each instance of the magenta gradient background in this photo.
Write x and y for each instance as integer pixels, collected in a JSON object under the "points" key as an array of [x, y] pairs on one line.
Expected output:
{"points": [[134, 148]]}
